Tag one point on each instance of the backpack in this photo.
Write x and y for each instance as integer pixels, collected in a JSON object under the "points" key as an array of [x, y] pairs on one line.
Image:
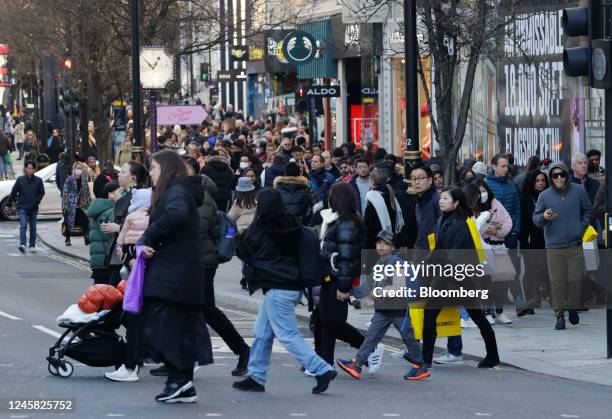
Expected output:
{"points": [[311, 264], [227, 237]]}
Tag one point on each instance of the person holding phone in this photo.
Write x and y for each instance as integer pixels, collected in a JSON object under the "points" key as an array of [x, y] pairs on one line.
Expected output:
{"points": [[563, 211]]}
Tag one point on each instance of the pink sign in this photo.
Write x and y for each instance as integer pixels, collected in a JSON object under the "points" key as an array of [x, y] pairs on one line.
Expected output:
{"points": [[180, 115]]}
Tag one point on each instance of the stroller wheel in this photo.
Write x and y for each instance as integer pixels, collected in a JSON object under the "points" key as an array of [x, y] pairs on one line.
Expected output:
{"points": [[52, 369], [65, 369]]}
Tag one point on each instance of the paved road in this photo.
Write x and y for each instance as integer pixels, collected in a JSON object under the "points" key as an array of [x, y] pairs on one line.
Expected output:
{"points": [[35, 289]]}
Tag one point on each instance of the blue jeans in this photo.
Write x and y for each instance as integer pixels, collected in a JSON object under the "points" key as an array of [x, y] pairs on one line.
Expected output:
{"points": [[25, 217], [454, 345], [276, 318], [3, 167]]}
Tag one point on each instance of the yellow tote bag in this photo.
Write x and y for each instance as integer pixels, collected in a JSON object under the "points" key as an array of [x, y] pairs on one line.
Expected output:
{"points": [[590, 234], [471, 222], [448, 322]]}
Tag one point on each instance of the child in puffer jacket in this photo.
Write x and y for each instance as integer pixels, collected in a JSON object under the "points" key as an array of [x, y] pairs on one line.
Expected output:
{"points": [[135, 225]]}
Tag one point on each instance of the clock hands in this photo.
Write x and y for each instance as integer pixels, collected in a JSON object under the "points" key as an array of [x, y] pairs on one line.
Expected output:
{"points": [[152, 67]]}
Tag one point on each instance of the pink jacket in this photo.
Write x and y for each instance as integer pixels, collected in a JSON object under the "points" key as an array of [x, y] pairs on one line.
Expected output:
{"points": [[502, 218], [135, 225]]}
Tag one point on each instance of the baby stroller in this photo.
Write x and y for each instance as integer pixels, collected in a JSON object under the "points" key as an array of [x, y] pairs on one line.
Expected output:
{"points": [[94, 343]]}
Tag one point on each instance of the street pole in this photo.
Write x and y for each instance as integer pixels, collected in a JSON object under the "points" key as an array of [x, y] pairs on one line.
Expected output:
{"points": [[137, 150], [608, 225], [412, 153], [329, 146], [153, 120]]}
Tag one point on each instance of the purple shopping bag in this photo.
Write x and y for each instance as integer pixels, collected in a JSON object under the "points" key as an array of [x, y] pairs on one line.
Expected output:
{"points": [[133, 298]]}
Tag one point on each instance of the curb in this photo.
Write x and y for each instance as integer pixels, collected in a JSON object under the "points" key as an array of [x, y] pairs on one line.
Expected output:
{"points": [[61, 251]]}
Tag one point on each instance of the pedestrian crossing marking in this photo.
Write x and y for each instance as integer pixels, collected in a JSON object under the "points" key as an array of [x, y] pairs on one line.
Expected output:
{"points": [[218, 345]]}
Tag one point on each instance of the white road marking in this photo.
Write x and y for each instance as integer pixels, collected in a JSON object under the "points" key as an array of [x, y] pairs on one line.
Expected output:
{"points": [[288, 365], [299, 414], [9, 316], [115, 415], [7, 365], [251, 315], [47, 331], [68, 262], [214, 414], [19, 416], [569, 416], [482, 414], [221, 365], [391, 414]]}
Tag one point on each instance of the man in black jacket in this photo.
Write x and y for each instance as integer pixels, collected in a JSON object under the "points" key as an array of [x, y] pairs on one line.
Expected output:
{"points": [[29, 190]]}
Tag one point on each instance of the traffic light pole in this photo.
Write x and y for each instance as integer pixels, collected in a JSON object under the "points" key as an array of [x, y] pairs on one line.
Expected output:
{"points": [[412, 153]]}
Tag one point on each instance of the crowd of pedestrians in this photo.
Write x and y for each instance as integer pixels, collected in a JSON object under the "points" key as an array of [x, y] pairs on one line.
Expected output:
{"points": [[288, 197]]}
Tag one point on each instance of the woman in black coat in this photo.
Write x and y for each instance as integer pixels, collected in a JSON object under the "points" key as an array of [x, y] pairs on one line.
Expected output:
{"points": [[269, 249], [218, 169], [371, 217], [343, 237], [454, 239], [531, 238], [174, 327]]}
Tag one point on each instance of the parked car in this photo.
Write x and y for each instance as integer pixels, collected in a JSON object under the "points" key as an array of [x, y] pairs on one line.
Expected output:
{"points": [[51, 204]]}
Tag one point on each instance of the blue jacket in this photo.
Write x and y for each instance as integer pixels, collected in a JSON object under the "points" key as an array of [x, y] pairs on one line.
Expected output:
{"points": [[320, 182], [591, 185], [427, 215], [28, 191], [507, 193]]}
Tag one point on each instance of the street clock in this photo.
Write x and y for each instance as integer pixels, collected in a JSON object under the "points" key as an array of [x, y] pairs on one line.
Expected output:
{"points": [[156, 68]]}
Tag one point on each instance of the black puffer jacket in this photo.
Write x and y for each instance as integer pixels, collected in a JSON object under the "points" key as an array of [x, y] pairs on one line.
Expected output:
{"points": [[174, 272], [218, 170], [209, 224], [342, 246], [269, 249], [297, 196]]}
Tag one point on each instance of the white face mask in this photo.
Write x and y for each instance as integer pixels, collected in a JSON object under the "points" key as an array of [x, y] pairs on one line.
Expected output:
{"points": [[243, 165], [258, 150], [484, 197], [78, 172]]}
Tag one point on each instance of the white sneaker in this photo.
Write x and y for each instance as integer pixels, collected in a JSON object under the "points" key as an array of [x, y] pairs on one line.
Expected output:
{"points": [[123, 374], [491, 319], [468, 324], [309, 373], [448, 358], [375, 358], [502, 319], [399, 355], [368, 324], [32, 249]]}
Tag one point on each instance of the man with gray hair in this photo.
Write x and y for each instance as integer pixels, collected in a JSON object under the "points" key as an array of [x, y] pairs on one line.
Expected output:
{"points": [[580, 175]]}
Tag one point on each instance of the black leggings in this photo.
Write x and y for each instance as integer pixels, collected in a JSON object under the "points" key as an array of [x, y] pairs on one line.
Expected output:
{"points": [[81, 220], [333, 314], [132, 333], [477, 315]]}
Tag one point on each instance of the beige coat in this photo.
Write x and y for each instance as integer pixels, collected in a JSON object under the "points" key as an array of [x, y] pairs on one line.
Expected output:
{"points": [[242, 216]]}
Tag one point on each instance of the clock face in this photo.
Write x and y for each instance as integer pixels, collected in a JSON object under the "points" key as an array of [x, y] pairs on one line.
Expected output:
{"points": [[156, 68]]}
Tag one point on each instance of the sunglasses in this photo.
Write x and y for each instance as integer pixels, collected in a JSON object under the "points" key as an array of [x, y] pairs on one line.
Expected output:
{"points": [[559, 175]]}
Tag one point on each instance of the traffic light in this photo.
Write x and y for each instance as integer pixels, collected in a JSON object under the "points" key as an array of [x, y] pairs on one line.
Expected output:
{"points": [[66, 63], [591, 58], [204, 72], [302, 102]]}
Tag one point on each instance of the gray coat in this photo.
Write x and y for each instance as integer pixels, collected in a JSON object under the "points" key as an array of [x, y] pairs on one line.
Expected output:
{"points": [[574, 208]]}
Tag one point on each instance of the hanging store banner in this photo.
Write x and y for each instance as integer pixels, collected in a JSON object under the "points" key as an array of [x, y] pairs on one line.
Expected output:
{"points": [[540, 110], [365, 11]]}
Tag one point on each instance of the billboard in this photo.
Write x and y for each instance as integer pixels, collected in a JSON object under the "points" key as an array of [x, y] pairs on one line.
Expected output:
{"points": [[541, 112]]}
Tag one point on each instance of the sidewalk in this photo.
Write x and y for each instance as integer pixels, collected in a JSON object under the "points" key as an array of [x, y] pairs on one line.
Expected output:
{"points": [[529, 343]]}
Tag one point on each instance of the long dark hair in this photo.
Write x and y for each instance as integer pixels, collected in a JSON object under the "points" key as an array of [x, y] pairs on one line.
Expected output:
{"points": [[246, 200], [530, 181], [487, 205], [463, 209], [171, 167], [139, 172], [472, 196], [342, 201]]}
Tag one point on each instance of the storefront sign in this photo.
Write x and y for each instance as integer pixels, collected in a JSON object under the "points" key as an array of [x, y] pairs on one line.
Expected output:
{"points": [[369, 91], [240, 53], [4, 73], [230, 76], [541, 112], [256, 53], [299, 47], [323, 91], [180, 115], [365, 11]]}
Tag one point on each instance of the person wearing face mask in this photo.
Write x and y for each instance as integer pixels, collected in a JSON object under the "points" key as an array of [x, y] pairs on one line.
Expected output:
{"points": [[563, 211], [75, 201], [531, 238], [497, 227]]}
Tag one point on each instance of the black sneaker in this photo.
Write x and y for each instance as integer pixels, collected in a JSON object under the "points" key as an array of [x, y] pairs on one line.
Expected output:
{"points": [[68, 242], [573, 317], [177, 393], [560, 325], [524, 311], [86, 239], [249, 384], [243, 362], [323, 381], [22, 248], [488, 362], [159, 372]]}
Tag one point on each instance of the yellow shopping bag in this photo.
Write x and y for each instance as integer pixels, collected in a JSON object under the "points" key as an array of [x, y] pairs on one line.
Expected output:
{"points": [[590, 234], [471, 222], [448, 322]]}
